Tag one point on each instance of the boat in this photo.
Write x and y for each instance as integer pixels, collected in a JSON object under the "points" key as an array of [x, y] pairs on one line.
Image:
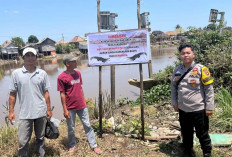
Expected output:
{"points": [[147, 83]]}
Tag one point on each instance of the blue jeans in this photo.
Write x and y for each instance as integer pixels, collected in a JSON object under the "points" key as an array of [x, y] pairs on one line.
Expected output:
{"points": [[25, 132], [84, 117]]}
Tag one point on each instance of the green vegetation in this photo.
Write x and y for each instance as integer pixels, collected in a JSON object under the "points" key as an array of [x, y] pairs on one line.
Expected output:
{"points": [[105, 126], [156, 94], [223, 118], [159, 93], [18, 41], [177, 26], [214, 50], [64, 48], [32, 39], [6, 136], [134, 126]]}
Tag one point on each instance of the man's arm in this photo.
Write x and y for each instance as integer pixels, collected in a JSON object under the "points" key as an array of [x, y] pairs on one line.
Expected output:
{"points": [[207, 82], [63, 101], [209, 99], [174, 93], [47, 99], [12, 100]]}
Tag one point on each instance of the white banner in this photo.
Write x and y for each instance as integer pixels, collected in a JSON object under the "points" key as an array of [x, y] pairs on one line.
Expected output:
{"points": [[121, 47]]}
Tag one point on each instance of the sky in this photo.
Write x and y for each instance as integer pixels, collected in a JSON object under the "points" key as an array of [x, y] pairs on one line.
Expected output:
{"points": [[68, 18]]}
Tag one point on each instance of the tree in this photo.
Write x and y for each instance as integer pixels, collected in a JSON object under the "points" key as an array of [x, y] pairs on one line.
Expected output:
{"points": [[177, 26], [32, 39], [59, 49], [211, 26], [18, 42], [214, 50]]}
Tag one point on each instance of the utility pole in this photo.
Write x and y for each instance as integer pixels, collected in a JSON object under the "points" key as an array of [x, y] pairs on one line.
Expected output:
{"points": [[62, 44], [141, 74], [100, 74]]}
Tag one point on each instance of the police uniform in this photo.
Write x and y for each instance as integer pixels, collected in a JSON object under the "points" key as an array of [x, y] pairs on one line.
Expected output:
{"points": [[193, 94]]}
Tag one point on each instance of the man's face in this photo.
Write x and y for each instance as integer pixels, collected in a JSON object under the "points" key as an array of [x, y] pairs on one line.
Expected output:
{"points": [[187, 55], [71, 64], [29, 58]]}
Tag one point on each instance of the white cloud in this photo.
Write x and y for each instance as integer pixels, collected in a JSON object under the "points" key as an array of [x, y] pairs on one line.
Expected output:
{"points": [[11, 12], [15, 12]]}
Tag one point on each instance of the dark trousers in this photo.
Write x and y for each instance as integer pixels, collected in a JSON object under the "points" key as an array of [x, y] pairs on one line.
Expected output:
{"points": [[199, 120]]}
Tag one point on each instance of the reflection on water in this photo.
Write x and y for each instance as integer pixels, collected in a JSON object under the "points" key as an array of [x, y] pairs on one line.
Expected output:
{"points": [[160, 59]]}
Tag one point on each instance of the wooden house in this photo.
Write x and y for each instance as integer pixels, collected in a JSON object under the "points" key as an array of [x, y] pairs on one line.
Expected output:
{"points": [[83, 47], [172, 34], [160, 36], [46, 46], [33, 45], [76, 40], [9, 50]]}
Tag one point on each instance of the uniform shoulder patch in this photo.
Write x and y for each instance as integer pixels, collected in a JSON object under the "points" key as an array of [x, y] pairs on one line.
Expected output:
{"points": [[206, 78]]}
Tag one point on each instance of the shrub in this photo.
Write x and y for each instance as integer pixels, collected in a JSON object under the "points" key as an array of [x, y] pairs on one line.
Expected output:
{"points": [[214, 50], [156, 94], [222, 117]]}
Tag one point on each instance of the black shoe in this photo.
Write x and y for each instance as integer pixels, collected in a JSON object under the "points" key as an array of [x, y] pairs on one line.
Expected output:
{"points": [[189, 153], [207, 154]]}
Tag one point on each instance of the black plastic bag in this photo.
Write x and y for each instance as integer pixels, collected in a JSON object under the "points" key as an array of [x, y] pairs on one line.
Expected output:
{"points": [[51, 131]]}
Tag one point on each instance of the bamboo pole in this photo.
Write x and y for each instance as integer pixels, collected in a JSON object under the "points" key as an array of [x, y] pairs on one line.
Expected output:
{"points": [[141, 74], [141, 98], [100, 74]]}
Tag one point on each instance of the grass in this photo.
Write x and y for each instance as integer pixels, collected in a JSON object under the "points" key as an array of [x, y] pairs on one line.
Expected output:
{"points": [[8, 137], [223, 117]]}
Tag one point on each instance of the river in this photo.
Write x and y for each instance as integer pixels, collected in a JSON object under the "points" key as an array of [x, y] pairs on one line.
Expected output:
{"points": [[160, 59]]}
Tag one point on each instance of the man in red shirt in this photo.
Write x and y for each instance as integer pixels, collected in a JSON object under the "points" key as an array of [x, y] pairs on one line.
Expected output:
{"points": [[69, 84]]}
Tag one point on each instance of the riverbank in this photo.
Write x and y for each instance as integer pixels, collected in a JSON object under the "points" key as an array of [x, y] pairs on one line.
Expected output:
{"points": [[115, 142], [57, 56]]}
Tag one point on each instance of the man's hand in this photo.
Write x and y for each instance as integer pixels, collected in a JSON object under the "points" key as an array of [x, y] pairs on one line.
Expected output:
{"points": [[208, 112], [49, 114], [66, 114], [11, 117], [176, 108]]}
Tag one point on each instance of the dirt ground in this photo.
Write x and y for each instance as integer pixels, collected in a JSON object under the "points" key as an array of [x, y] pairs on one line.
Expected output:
{"points": [[118, 146]]}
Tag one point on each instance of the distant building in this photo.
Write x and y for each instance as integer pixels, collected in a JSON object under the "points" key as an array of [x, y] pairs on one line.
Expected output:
{"points": [[61, 42], [46, 46], [43, 47], [160, 36], [29, 45], [9, 50], [157, 33], [76, 40], [83, 47]]}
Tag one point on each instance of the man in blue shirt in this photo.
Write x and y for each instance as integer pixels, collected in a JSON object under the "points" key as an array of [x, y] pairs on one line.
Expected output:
{"points": [[31, 84]]}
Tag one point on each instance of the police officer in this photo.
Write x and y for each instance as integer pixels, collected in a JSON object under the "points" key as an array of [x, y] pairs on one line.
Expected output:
{"points": [[192, 96]]}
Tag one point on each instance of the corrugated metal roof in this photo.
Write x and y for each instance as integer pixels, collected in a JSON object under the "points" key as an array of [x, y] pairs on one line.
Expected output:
{"points": [[6, 43], [44, 40]]}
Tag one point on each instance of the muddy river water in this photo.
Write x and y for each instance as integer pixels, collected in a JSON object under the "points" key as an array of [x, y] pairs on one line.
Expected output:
{"points": [[160, 59]]}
